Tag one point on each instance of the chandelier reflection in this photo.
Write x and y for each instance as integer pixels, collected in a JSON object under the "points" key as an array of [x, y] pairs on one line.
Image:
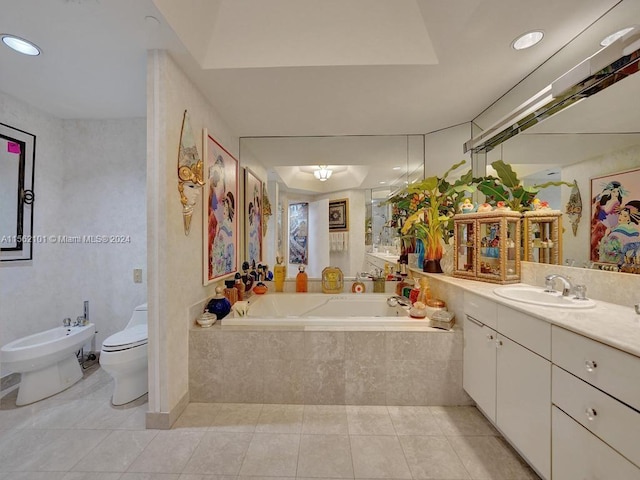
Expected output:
{"points": [[323, 174]]}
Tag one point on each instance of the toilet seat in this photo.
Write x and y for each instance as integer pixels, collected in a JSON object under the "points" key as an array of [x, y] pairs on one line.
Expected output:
{"points": [[126, 339]]}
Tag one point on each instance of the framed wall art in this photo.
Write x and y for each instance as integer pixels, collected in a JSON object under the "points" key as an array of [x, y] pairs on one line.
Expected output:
{"points": [[299, 233], [220, 219], [253, 213], [339, 215], [615, 219]]}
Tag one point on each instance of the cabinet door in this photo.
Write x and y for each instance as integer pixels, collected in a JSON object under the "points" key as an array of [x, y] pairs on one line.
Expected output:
{"points": [[578, 454], [523, 402], [479, 365]]}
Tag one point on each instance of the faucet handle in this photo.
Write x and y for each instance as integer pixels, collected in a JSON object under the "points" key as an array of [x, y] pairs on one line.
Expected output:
{"points": [[548, 285], [580, 292], [66, 322]]}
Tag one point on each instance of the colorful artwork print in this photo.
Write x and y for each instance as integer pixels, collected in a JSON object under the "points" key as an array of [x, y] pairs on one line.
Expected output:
{"points": [[221, 224], [615, 220], [298, 233], [253, 199]]}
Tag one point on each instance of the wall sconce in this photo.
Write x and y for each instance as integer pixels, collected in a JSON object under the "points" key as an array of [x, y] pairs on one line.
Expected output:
{"points": [[323, 174], [190, 172]]}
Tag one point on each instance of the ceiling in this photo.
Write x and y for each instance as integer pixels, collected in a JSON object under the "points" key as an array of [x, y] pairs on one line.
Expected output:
{"points": [[288, 67]]}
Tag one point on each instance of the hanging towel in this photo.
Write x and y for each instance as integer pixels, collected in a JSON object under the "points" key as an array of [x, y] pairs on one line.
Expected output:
{"points": [[338, 242]]}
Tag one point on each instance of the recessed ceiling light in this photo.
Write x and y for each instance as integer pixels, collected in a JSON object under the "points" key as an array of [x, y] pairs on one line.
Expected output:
{"points": [[382, 183], [527, 40], [397, 168], [20, 45], [608, 40]]}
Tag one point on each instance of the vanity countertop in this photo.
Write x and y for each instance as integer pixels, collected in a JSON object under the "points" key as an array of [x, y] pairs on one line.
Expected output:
{"points": [[387, 257], [608, 323]]}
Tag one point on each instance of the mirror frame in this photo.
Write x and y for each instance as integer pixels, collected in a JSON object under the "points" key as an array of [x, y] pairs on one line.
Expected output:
{"points": [[24, 239]]}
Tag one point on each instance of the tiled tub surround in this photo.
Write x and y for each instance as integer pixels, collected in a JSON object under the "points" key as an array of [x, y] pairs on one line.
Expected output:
{"points": [[326, 365]]}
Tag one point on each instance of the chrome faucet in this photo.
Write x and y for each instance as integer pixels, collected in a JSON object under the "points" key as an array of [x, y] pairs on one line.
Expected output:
{"points": [[549, 281], [398, 300]]}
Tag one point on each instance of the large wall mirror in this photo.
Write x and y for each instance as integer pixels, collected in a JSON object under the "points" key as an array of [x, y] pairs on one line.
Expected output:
{"points": [[591, 142], [17, 157], [365, 170]]}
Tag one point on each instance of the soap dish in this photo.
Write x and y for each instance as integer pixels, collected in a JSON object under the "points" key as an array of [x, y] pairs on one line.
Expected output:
{"points": [[206, 320]]}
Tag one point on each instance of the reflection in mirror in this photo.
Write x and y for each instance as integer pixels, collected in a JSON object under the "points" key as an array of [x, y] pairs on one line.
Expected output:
{"points": [[17, 156], [595, 137], [364, 169]]}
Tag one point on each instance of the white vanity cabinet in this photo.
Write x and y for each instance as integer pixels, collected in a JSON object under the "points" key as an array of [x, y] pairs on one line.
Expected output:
{"points": [[378, 261], [596, 398], [507, 371]]}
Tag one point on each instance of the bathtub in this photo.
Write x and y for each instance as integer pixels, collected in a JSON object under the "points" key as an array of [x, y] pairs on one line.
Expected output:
{"points": [[319, 309], [46, 361]]}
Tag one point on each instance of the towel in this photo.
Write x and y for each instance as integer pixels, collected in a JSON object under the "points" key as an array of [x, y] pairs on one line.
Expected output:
{"points": [[338, 241]]}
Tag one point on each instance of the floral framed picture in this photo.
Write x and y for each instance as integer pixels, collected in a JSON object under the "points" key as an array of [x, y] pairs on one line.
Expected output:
{"points": [[220, 219], [339, 215], [615, 220], [253, 214]]}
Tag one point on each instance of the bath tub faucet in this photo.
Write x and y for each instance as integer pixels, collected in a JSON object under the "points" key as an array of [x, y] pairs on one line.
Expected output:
{"points": [[398, 300], [548, 283]]}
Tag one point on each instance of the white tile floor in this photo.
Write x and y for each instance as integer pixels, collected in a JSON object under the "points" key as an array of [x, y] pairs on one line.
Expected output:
{"points": [[78, 435]]}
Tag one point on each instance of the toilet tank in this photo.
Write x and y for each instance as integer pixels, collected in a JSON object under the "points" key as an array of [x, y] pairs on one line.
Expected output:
{"points": [[139, 316]]}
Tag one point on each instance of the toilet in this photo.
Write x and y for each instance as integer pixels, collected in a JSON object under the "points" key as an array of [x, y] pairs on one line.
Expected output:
{"points": [[124, 357]]}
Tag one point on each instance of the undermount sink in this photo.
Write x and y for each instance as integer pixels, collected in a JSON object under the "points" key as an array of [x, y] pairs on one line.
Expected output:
{"points": [[537, 296]]}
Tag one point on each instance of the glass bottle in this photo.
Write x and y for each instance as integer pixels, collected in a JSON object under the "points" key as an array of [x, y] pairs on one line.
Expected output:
{"points": [[231, 292], [414, 294], [279, 274], [239, 284], [358, 286], [219, 305], [301, 280]]}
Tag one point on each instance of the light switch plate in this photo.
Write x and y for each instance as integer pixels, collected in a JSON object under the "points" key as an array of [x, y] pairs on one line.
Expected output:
{"points": [[137, 275]]}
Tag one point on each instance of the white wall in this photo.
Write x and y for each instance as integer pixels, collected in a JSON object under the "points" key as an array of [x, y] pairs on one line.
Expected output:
{"points": [[89, 180], [175, 260], [443, 148], [351, 261]]}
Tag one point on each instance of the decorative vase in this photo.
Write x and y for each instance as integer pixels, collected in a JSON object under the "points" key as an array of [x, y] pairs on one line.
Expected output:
{"points": [[219, 305], [419, 253], [431, 265]]}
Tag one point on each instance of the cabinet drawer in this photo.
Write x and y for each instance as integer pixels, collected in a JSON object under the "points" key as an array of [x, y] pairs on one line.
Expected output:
{"points": [[481, 309], [610, 370], [615, 423], [578, 454], [530, 332]]}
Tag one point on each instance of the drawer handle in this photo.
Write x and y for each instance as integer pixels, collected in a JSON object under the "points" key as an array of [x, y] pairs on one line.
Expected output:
{"points": [[489, 337], [498, 343], [590, 365], [591, 413]]}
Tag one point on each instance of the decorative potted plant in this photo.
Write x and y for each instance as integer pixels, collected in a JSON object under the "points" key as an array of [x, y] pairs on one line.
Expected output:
{"points": [[507, 188], [430, 206]]}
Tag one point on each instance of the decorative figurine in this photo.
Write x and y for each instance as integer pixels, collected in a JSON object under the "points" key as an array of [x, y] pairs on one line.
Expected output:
{"points": [[467, 206], [485, 207]]}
